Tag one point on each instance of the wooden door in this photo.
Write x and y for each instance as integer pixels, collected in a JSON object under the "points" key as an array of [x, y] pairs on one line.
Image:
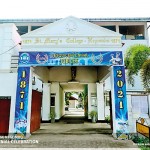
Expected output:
{"points": [[35, 110], [4, 116]]}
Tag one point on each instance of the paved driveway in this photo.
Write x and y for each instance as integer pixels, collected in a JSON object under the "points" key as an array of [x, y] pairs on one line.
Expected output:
{"points": [[63, 135]]}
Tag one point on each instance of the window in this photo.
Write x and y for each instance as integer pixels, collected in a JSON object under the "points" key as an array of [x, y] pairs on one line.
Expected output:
{"points": [[140, 104], [52, 100], [93, 99], [113, 28], [5, 97], [35, 27], [22, 29], [132, 32], [107, 98]]}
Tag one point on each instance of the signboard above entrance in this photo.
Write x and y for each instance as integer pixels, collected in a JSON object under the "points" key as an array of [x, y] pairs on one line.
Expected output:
{"points": [[104, 58]]}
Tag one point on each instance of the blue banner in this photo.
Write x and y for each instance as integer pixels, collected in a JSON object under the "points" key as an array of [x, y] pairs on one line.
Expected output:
{"points": [[121, 112], [21, 109], [104, 58]]}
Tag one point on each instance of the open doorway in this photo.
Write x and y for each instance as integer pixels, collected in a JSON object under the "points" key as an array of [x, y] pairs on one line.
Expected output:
{"points": [[74, 107], [74, 103], [69, 92]]}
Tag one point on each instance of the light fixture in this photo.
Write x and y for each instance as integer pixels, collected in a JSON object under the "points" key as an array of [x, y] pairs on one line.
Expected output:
{"points": [[73, 81]]}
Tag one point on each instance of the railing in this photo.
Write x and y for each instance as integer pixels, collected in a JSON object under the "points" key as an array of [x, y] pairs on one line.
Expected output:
{"points": [[132, 37]]}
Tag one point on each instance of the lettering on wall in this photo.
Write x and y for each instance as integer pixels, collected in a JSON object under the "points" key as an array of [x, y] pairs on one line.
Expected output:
{"points": [[68, 41]]}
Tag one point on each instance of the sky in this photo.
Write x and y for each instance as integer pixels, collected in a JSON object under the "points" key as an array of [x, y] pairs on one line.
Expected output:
{"points": [[17, 9]]}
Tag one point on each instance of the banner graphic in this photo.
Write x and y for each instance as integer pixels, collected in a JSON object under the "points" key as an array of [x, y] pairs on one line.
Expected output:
{"points": [[70, 58], [121, 112], [21, 109]]}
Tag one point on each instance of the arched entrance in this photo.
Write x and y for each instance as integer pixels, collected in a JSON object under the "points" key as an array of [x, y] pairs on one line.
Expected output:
{"points": [[83, 44]]}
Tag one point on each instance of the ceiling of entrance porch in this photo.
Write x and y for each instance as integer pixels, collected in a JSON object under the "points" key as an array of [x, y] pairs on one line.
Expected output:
{"points": [[72, 86], [83, 74]]}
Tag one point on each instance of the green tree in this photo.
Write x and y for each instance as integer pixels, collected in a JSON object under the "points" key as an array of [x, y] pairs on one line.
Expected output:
{"points": [[145, 74], [137, 59], [67, 96]]}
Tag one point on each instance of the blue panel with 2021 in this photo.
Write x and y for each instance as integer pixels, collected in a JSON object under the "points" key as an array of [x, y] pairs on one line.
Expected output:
{"points": [[70, 58], [121, 112]]}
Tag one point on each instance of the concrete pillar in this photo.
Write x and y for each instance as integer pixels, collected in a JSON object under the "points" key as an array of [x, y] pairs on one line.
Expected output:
{"points": [[29, 102], [100, 101], [117, 28], [91, 90], [46, 102], [29, 28]]}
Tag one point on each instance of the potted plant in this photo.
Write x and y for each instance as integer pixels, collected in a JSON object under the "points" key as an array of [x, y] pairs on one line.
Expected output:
{"points": [[52, 116], [93, 115], [107, 118], [67, 104]]}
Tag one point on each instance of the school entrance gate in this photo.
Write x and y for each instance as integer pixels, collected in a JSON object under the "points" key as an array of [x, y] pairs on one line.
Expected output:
{"points": [[71, 42]]}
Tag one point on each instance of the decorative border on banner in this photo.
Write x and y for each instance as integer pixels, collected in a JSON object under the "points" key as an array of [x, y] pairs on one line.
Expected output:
{"points": [[102, 58], [21, 109], [121, 112]]}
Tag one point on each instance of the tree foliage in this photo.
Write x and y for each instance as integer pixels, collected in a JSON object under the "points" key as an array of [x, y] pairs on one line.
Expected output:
{"points": [[135, 58], [145, 74]]}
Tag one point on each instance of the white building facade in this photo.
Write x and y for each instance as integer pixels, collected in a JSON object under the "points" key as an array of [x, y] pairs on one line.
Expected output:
{"points": [[47, 55]]}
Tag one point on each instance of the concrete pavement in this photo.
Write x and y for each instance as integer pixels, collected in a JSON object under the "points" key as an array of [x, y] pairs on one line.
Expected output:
{"points": [[71, 132], [63, 135]]}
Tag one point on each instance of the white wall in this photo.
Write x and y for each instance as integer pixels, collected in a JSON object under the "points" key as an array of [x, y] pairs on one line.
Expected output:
{"points": [[38, 85], [9, 37], [61, 100], [138, 85], [42, 72], [107, 87], [59, 103], [134, 116], [8, 85], [55, 89], [46, 102], [107, 84], [91, 89], [100, 101], [129, 43], [107, 110]]}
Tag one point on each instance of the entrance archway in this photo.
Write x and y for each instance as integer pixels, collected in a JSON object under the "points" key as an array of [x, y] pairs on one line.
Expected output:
{"points": [[100, 47]]}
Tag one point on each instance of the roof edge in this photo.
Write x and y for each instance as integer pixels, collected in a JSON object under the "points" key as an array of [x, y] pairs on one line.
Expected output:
{"points": [[48, 20]]}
